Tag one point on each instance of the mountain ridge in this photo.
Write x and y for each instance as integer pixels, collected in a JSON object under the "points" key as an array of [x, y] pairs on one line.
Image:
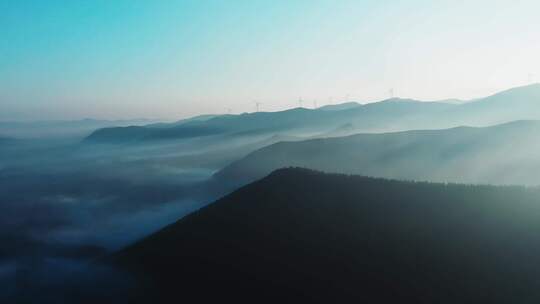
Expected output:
{"points": [[307, 236], [395, 114], [434, 155]]}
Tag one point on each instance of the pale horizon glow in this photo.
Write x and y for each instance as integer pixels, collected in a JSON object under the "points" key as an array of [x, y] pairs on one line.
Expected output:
{"points": [[173, 59]]}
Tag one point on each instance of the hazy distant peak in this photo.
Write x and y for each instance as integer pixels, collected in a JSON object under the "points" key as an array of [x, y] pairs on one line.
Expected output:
{"points": [[411, 100], [340, 106], [399, 99], [454, 101], [532, 86], [198, 118], [394, 100], [532, 90]]}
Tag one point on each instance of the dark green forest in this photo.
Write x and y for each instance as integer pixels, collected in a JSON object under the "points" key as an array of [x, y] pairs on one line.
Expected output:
{"points": [[305, 236]]}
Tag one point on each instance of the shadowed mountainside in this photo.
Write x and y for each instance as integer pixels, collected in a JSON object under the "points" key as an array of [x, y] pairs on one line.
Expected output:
{"points": [[299, 235], [502, 154]]}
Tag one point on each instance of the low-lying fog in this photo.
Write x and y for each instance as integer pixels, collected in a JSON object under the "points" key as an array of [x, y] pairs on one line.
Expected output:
{"points": [[65, 202]]}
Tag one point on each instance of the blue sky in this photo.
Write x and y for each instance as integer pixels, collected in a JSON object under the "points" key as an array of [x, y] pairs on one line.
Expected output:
{"points": [[170, 59]]}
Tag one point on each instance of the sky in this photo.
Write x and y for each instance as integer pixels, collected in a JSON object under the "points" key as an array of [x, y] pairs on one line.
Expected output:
{"points": [[169, 59]]}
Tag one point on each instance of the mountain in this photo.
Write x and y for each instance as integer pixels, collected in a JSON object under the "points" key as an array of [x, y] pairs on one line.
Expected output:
{"points": [[521, 103], [396, 114], [339, 107], [502, 154], [138, 133], [182, 121], [453, 101], [389, 114], [300, 236]]}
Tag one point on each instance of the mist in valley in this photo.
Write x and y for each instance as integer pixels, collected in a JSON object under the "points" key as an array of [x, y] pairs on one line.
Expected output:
{"points": [[329, 151], [70, 202]]}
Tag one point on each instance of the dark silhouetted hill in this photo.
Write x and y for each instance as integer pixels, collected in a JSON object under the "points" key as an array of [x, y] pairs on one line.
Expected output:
{"points": [[299, 236]]}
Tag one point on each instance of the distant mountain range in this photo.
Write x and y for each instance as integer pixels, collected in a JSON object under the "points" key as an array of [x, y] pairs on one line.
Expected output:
{"points": [[341, 106], [295, 122], [502, 154], [305, 237], [198, 118], [522, 103]]}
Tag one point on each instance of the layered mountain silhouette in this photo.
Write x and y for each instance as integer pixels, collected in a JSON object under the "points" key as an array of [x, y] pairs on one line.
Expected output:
{"points": [[394, 114], [307, 237], [373, 117], [139, 133], [502, 154], [182, 121], [521, 103], [341, 106]]}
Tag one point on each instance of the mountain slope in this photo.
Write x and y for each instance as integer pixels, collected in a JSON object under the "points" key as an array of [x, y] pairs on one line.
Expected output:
{"points": [[138, 133], [299, 235], [521, 103], [503, 154], [339, 107], [182, 121]]}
